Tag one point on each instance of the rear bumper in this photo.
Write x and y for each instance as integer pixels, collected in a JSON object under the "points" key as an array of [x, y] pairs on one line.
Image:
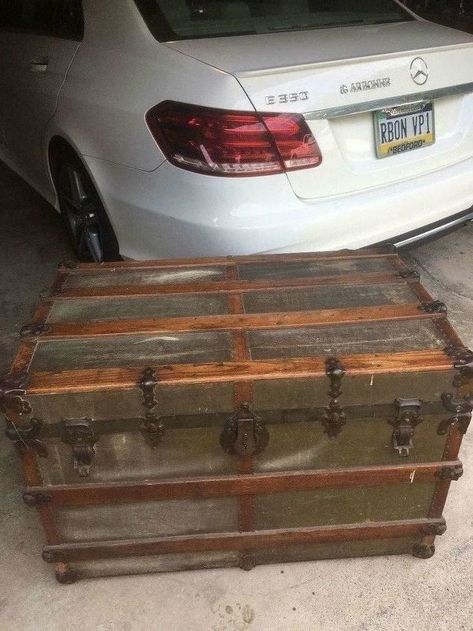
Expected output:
{"points": [[172, 213], [433, 231]]}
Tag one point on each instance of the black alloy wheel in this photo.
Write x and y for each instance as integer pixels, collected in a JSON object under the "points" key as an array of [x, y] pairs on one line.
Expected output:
{"points": [[85, 218]]}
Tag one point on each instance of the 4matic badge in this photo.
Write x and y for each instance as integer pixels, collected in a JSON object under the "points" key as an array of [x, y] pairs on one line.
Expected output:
{"points": [[365, 86]]}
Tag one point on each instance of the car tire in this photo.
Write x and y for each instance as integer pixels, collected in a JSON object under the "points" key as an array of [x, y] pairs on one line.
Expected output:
{"points": [[85, 219]]}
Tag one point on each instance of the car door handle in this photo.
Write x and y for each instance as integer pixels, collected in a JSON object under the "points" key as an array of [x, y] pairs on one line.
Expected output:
{"points": [[39, 65]]}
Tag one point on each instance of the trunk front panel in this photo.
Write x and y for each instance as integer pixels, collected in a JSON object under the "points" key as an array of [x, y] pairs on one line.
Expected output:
{"points": [[278, 511], [287, 554], [194, 417]]}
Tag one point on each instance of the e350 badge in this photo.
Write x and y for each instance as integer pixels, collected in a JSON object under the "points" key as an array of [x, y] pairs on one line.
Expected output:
{"points": [[292, 97]]}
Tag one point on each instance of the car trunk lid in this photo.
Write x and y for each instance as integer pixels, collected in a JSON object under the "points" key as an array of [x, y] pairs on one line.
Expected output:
{"points": [[338, 77]]}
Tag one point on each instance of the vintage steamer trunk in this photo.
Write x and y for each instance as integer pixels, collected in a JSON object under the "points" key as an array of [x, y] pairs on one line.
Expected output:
{"points": [[237, 411]]}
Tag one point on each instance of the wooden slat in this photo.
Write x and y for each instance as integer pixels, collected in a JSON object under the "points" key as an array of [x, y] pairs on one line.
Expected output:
{"points": [[242, 392], [23, 358], [182, 374], [240, 321], [237, 541], [342, 255], [240, 485], [224, 286]]}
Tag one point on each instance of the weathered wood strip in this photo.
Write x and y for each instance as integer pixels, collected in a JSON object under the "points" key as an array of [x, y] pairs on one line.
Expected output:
{"points": [[367, 253], [239, 321], [24, 357], [219, 286], [237, 541], [116, 378], [240, 485]]}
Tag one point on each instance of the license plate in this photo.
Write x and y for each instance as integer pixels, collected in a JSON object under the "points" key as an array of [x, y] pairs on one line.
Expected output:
{"points": [[404, 128]]}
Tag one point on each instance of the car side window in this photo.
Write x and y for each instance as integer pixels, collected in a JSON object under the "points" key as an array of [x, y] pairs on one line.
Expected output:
{"points": [[10, 14], [59, 18]]}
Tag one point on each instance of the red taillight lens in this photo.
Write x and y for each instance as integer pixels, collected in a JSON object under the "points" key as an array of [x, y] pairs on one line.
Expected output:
{"points": [[220, 142]]}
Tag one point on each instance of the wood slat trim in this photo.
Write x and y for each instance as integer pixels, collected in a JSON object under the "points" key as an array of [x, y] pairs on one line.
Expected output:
{"points": [[242, 392], [240, 485], [184, 374], [23, 358], [451, 451], [226, 286], [367, 253], [237, 541], [239, 321]]}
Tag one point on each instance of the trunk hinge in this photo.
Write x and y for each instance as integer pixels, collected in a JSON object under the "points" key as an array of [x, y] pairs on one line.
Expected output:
{"points": [[462, 410], [14, 405], [152, 427], [406, 420], [25, 438], [12, 396], [463, 363], [244, 433]]}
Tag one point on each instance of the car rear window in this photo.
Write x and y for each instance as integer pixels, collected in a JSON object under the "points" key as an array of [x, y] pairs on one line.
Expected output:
{"points": [[194, 19]]}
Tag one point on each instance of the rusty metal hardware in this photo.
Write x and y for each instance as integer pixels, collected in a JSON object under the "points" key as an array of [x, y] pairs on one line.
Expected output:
{"points": [[68, 576], [152, 428], [78, 433], [244, 433], [435, 306], [247, 561], [68, 265], [26, 438], [407, 418], [450, 473], [36, 498], [52, 556], [148, 382], [410, 274], [34, 330], [423, 550], [463, 362], [436, 529], [334, 416], [12, 392], [462, 410]]}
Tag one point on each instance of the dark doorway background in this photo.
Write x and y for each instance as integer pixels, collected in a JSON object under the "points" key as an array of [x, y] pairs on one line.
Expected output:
{"points": [[454, 13]]}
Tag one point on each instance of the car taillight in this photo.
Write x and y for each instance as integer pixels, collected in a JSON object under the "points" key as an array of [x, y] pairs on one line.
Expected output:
{"points": [[226, 143]]}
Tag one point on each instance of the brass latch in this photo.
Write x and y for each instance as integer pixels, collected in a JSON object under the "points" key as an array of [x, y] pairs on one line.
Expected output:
{"points": [[78, 433], [244, 433]]}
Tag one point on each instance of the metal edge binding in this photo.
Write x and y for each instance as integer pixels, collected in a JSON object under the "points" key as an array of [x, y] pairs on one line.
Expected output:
{"points": [[436, 306], [34, 330]]}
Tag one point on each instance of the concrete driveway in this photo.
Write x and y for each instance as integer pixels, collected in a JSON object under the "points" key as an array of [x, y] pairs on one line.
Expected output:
{"points": [[396, 593]]}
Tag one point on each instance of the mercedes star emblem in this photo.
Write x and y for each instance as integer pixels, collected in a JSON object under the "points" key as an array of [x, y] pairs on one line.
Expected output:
{"points": [[419, 71]]}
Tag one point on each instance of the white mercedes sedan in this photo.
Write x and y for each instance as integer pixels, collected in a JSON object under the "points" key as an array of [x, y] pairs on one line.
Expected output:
{"points": [[171, 128]]}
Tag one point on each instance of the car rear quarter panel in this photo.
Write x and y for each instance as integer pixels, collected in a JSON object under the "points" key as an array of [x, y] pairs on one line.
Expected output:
{"points": [[118, 74]]}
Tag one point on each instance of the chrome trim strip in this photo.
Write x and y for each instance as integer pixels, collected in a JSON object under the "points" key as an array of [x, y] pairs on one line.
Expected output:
{"points": [[433, 231], [371, 106]]}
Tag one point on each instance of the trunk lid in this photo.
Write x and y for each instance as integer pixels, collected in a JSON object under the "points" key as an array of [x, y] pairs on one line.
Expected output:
{"points": [[338, 77]]}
